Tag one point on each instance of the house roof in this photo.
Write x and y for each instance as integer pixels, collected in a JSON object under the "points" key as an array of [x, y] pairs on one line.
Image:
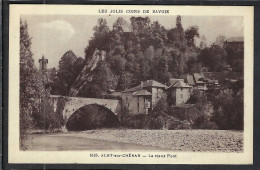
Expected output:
{"points": [[148, 83], [115, 94], [235, 39], [221, 76], [190, 80], [211, 81], [180, 84], [142, 93], [173, 80], [132, 89], [153, 83], [198, 77]]}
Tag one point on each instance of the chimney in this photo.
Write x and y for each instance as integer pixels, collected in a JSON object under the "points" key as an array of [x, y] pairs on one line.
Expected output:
{"points": [[142, 84]]}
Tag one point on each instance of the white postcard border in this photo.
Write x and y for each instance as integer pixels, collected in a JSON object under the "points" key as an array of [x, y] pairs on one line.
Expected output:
{"points": [[17, 156]]}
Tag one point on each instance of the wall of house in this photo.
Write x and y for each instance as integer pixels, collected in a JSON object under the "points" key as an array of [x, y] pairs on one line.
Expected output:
{"points": [[138, 105], [172, 97], [157, 93], [126, 100], [182, 95], [133, 104]]}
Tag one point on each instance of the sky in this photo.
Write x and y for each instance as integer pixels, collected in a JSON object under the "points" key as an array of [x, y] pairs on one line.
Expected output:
{"points": [[53, 35]]}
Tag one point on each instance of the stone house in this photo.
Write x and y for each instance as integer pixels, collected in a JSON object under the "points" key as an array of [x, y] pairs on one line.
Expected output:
{"points": [[142, 98], [190, 80], [178, 92], [206, 81], [200, 84]]}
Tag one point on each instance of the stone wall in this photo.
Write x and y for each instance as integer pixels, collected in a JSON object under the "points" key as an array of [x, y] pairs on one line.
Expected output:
{"points": [[68, 105], [133, 104], [182, 95]]}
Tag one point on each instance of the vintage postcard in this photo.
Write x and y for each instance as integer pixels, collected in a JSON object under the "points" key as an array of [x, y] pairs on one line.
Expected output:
{"points": [[130, 84]]}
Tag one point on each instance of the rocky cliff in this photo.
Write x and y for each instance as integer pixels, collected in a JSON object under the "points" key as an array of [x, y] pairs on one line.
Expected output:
{"points": [[87, 73]]}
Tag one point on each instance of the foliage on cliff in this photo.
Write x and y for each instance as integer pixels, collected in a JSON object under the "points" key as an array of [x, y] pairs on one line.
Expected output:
{"points": [[147, 51], [70, 67], [142, 50]]}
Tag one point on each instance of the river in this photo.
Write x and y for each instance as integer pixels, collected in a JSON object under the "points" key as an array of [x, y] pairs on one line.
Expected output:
{"points": [[59, 142]]}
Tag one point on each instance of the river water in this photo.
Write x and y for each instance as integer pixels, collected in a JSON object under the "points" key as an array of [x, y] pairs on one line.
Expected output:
{"points": [[59, 142]]}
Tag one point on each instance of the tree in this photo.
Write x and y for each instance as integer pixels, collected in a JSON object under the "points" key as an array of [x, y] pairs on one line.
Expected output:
{"points": [[117, 64], [203, 42], [159, 35], [235, 56], [66, 72], [124, 81], [119, 24], [193, 66], [140, 25], [116, 35], [229, 108], [220, 40], [176, 34], [101, 39], [78, 65], [101, 29], [190, 35], [213, 57], [31, 87], [162, 69], [35, 107]]}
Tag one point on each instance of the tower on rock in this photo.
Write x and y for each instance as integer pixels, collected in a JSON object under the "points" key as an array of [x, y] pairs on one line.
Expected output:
{"points": [[43, 63]]}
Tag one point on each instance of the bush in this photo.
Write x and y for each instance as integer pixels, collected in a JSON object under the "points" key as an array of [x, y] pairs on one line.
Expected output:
{"points": [[184, 113], [203, 122], [46, 118], [161, 106], [134, 121], [229, 111], [177, 124]]}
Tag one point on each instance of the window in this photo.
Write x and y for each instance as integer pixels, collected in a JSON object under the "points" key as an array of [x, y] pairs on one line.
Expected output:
{"points": [[181, 96]]}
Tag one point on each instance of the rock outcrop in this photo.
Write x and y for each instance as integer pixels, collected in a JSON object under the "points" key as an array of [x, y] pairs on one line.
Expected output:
{"points": [[87, 73]]}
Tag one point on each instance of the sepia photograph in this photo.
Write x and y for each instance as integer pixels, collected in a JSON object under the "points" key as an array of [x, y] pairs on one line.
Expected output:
{"points": [[114, 82]]}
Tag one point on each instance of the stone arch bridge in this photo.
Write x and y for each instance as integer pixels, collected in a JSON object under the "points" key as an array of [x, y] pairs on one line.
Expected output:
{"points": [[68, 105]]}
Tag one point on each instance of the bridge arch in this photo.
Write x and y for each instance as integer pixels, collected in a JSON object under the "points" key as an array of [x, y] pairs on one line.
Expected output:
{"points": [[66, 106], [91, 116], [74, 103]]}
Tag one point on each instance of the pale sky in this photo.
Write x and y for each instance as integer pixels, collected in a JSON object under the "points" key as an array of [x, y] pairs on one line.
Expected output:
{"points": [[53, 35]]}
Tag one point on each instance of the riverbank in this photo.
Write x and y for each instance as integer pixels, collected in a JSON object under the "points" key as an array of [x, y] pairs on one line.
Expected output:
{"points": [[178, 140], [59, 142]]}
